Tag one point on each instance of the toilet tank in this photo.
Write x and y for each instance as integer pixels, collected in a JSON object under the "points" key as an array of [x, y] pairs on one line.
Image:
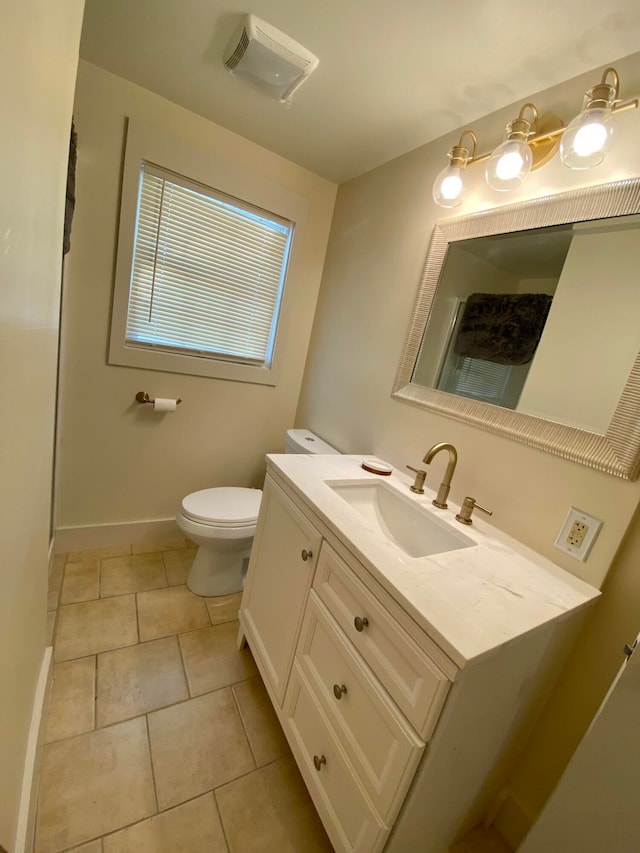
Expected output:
{"points": [[304, 441]]}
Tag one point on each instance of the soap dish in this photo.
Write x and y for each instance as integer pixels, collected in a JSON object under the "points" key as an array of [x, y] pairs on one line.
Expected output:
{"points": [[376, 466]]}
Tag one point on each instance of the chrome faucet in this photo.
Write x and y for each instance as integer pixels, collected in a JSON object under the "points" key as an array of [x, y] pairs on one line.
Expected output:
{"points": [[445, 485]]}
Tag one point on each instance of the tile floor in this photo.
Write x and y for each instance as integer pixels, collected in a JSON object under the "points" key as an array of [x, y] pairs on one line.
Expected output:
{"points": [[160, 735]]}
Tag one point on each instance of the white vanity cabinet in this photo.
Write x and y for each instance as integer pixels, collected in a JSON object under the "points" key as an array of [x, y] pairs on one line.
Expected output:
{"points": [[402, 742], [284, 554]]}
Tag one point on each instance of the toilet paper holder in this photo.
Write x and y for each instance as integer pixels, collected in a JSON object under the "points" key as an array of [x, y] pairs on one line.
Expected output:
{"points": [[143, 397]]}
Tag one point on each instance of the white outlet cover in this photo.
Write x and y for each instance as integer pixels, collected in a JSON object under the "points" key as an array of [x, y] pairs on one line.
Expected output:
{"points": [[593, 528]]}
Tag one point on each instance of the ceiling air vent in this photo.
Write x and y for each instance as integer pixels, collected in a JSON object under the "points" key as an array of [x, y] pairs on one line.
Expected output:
{"points": [[268, 58]]}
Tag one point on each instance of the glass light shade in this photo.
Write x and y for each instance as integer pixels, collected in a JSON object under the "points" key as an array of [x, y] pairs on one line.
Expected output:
{"points": [[448, 187], [509, 165], [588, 139]]}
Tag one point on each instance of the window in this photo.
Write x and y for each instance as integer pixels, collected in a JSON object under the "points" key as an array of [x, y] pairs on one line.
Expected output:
{"points": [[207, 273], [200, 279], [482, 380]]}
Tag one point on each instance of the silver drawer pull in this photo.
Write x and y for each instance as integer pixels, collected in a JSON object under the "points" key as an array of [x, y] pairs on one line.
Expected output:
{"points": [[360, 623], [318, 761], [339, 690], [306, 555]]}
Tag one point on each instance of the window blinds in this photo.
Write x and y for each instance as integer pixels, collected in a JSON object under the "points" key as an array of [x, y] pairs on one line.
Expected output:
{"points": [[208, 272], [479, 379]]}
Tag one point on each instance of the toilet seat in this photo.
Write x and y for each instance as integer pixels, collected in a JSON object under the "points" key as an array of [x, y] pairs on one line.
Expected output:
{"points": [[223, 507]]}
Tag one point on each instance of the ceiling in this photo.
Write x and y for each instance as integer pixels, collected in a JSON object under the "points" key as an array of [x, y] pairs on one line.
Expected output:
{"points": [[392, 75]]}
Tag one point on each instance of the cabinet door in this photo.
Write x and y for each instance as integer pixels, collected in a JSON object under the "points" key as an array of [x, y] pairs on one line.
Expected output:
{"points": [[283, 559], [350, 819]]}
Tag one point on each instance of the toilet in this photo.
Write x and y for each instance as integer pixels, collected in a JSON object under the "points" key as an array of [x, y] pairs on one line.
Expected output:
{"points": [[222, 522]]}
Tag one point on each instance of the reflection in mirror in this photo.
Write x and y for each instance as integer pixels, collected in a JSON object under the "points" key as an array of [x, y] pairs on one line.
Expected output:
{"points": [[542, 321], [527, 324]]}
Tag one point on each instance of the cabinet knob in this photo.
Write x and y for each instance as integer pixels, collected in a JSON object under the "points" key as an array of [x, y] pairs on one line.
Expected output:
{"points": [[306, 555], [360, 623], [339, 690], [318, 761]]}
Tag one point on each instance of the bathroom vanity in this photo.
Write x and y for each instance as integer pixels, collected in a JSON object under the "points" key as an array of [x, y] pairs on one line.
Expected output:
{"points": [[406, 655]]}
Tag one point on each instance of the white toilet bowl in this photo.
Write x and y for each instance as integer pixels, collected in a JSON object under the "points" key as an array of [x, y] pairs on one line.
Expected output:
{"points": [[222, 522]]}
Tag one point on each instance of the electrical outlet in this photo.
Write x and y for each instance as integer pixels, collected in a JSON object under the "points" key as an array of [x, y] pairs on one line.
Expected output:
{"points": [[578, 533]]}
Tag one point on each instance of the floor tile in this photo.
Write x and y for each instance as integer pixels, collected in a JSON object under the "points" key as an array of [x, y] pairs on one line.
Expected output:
{"points": [[270, 810], [72, 702], [119, 575], [191, 828], [91, 847], [95, 626], [223, 608], [159, 545], [164, 612], [197, 746], [138, 679], [93, 784], [482, 840], [81, 582], [212, 659], [98, 553], [266, 738], [178, 565]]}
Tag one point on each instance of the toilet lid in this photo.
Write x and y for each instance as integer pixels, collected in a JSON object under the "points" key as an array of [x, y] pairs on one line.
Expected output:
{"points": [[226, 506]]}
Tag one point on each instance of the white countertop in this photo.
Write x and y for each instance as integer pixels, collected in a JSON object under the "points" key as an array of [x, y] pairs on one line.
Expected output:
{"points": [[469, 601]]}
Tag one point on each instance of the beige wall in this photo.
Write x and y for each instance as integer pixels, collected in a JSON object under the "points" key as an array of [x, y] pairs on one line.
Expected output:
{"points": [[120, 462], [38, 57], [586, 678], [380, 234], [590, 363]]}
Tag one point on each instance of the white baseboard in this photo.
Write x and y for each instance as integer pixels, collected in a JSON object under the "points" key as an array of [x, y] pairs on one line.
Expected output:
{"points": [[51, 557], [29, 795], [108, 535]]}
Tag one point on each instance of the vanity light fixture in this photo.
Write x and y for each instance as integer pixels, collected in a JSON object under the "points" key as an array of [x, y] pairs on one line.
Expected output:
{"points": [[511, 162], [448, 188], [587, 140], [531, 142]]}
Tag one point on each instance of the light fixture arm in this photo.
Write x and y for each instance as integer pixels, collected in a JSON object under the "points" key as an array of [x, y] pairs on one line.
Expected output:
{"points": [[521, 127], [459, 154], [604, 95]]}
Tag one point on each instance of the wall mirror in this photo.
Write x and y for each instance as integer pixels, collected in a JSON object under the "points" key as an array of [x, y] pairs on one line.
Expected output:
{"points": [[527, 324]]}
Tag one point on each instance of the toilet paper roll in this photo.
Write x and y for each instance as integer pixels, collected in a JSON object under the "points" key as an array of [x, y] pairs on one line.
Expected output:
{"points": [[164, 404]]}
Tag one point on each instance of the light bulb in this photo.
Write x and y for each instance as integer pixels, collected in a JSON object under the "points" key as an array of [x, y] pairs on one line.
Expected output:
{"points": [[448, 188], [509, 165], [588, 139]]}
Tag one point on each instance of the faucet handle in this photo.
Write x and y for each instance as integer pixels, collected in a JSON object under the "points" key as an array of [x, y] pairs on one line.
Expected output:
{"points": [[418, 483], [466, 510]]}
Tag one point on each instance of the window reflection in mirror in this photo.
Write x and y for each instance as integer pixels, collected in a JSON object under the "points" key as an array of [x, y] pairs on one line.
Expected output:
{"points": [[544, 322]]}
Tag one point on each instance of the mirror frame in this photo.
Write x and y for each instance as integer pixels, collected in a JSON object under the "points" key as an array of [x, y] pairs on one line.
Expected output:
{"points": [[618, 451]]}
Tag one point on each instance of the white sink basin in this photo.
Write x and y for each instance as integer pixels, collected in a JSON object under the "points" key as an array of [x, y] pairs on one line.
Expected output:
{"points": [[399, 519]]}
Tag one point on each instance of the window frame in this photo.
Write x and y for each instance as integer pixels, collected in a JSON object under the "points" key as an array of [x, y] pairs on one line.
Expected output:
{"points": [[172, 154]]}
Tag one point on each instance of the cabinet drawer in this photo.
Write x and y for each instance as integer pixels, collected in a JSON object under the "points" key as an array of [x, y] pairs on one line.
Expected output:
{"points": [[349, 819], [412, 679], [379, 742]]}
